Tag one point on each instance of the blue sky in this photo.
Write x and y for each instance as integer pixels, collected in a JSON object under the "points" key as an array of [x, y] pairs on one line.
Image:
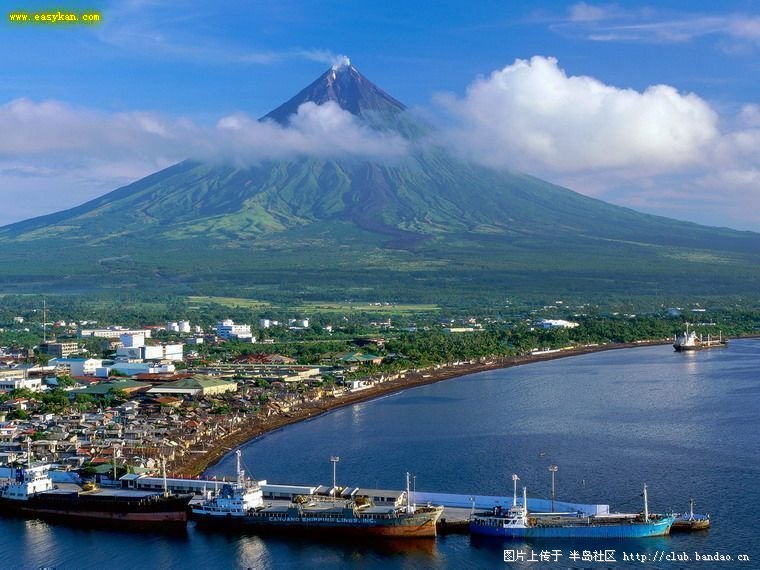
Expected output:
{"points": [[655, 106]]}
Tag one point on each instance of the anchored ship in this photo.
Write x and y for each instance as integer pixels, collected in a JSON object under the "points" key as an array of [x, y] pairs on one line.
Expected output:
{"points": [[688, 341], [30, 491], [517, 522], [691, 521], [241, 504]]}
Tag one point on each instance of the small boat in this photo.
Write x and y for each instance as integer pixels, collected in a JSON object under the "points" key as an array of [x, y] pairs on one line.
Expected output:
{"points": [[691, 521], [241, 504], [517, 522]]}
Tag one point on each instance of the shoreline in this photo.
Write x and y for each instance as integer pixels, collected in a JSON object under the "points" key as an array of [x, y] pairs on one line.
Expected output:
{"points": [[194, 465]]}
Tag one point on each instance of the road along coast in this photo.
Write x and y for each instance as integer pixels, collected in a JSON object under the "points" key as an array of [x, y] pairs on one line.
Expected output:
{"points": [[194, 464]]}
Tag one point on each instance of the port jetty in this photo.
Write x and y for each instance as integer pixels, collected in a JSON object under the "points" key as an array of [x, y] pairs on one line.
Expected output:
{"points": [[193, 465]]}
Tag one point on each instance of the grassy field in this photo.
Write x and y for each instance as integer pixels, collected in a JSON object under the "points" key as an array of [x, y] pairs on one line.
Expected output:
{"points": [[320, 306], [230, 302], [365, 307]]}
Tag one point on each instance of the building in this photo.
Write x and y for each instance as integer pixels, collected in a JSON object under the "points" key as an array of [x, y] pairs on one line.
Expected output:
{"points": [[360, 358], [556, 324], [196, 386], [59, 349], [76, 366], [112, 332], [132, 339], [132, 368], [171, 352], [228, 330], [9, 383]]}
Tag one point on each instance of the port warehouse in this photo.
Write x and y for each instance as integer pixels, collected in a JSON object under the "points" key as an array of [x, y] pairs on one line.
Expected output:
{"points": [[378, 496]]}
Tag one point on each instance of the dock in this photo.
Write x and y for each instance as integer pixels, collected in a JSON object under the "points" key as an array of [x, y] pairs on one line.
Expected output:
{"points": [[457, 507]]}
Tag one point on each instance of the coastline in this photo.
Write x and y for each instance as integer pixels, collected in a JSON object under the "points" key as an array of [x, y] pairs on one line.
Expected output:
{"points": [[194, 465]]}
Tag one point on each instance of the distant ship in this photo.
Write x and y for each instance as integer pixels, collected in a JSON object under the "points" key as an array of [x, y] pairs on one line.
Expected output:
{"points": [[241, 504], [30, 492], [689, 340], [517, 522]]}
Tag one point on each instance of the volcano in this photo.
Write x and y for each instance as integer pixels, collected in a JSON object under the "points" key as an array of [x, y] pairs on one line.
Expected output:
{"points": [[426, 226]]}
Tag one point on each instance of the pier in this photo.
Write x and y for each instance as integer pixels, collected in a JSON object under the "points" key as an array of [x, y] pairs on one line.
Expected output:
{"points": [[457, 507]]}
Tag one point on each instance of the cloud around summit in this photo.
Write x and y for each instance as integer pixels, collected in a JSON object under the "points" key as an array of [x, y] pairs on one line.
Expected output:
{"points": [[655, 146]]}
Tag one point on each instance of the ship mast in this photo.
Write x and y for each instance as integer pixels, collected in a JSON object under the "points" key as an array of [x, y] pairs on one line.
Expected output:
{"points": [[646, 504], [408, 502], [515, 479], [163, 471], [240, 472]]}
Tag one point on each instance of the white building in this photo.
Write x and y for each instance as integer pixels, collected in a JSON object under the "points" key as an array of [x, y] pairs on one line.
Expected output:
{"points": [[228, 330], [133, 340], [171, 352], [17, 382], [184, 327], [132, 368], [112, 332], [265, 323], [76, 366], [172, 327], [557, 324]]}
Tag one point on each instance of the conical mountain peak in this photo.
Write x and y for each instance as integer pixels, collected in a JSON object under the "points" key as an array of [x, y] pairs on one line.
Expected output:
{"points": [[344, 85]]}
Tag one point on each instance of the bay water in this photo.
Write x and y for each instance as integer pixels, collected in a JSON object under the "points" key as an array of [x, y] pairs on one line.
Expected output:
{"points": [[686, 424]]}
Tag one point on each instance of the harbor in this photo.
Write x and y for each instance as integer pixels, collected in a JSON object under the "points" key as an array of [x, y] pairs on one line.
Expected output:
{"points": [[497, 425]]}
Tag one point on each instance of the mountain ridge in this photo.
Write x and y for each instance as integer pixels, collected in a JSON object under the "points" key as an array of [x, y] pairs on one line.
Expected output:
{"points": [[453, 220]]}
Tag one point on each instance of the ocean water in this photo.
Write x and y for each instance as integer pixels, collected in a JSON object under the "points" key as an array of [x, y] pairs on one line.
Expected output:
{"points": [[686, 424]]}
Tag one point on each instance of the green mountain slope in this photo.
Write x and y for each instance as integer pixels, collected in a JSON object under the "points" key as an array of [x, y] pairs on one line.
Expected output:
{"points": [[425, 227]]}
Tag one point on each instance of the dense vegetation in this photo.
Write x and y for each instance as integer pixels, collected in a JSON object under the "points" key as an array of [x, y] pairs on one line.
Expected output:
{"points": [[407, 338]]}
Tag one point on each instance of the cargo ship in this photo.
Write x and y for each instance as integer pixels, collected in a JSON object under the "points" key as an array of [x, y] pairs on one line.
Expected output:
{"points": [[241, 504], [30, 491], [688, 341], [517, 522]]}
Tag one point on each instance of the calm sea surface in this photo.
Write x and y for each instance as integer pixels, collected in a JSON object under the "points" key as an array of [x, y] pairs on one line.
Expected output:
{"points": [[686, 424]]}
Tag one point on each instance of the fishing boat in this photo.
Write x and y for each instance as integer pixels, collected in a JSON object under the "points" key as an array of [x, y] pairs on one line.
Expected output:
{"points": [[517, 522], [689, 341], [691, 521], [241, 504]]}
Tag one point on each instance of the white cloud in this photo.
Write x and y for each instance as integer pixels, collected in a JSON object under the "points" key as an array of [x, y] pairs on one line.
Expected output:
{"points": [[610, 22], [656, 150], [531, 115], [54, 155], [583, 12], [316, 130]]}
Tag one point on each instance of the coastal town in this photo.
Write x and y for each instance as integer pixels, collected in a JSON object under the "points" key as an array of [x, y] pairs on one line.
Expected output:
{"points": [[110, 400]]}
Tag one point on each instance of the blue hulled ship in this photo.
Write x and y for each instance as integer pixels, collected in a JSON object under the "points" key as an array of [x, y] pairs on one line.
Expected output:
{"points": [[517, 522]]}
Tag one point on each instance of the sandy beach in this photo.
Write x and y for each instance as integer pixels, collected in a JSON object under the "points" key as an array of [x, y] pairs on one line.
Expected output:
{"points": [[193, 465]]}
